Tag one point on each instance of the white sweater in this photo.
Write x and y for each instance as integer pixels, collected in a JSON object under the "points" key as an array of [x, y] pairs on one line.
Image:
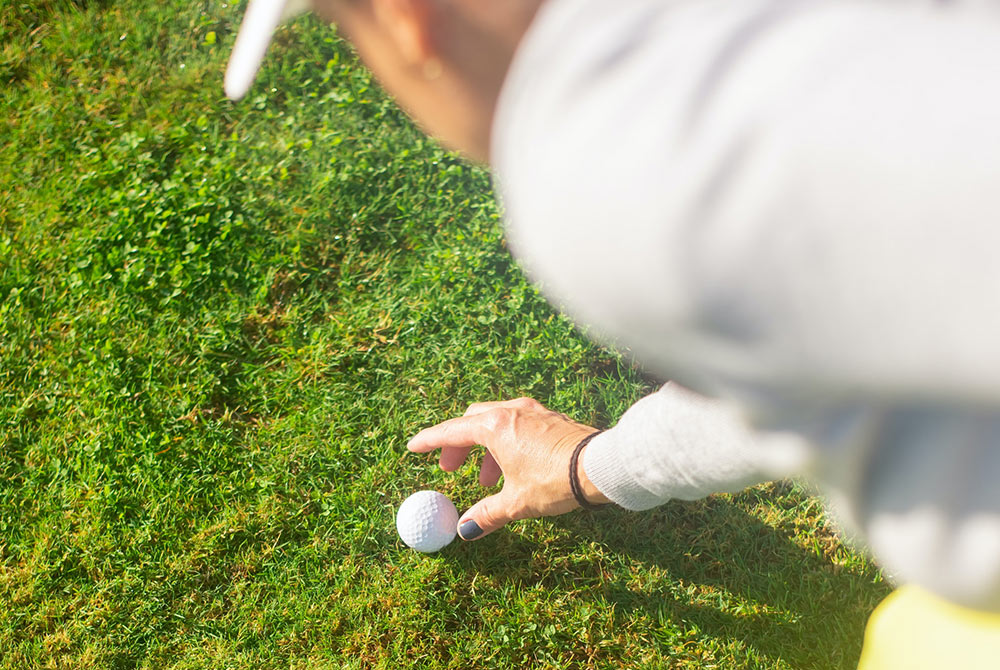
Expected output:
{"points": [[793, 206]]}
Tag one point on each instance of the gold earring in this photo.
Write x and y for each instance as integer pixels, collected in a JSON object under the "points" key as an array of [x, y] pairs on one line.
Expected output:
{"points": [[432, 69]]}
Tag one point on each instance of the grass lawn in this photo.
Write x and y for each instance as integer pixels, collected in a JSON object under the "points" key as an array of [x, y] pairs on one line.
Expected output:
{"points": [[219, 325]]}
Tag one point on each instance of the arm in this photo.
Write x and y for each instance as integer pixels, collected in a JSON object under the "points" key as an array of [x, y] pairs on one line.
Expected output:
{"points": [[793, 205], [671, 444], [921, 490], [917, 484], [678, 444]]}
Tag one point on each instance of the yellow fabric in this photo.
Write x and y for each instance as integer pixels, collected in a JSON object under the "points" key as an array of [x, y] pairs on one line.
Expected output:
{"points": [[914, 630]]}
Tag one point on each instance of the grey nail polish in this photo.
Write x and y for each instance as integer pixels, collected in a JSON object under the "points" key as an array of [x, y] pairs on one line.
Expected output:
{"points": [[470, 530]]}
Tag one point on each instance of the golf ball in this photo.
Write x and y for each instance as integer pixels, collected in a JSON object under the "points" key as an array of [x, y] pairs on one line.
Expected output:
{"points": [[426, 521]]}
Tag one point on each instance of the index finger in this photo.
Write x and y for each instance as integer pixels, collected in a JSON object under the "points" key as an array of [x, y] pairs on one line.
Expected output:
{"points": [[464, 431]]}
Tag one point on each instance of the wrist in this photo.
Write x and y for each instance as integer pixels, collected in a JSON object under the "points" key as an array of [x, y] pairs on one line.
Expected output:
{"points": [[585, 493], [590, 492]]}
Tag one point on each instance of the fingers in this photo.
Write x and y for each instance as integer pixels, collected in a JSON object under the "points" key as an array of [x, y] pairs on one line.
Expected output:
{"points": [[452, 458], [465, 431], [480, 425], [480, 407], [489, 471], [516, 403], [483, 518]]}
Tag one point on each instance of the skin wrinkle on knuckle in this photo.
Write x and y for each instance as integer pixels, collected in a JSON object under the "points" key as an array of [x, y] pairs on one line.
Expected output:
{"points": [[516, 512], [520, 505], [474, 408], [501, 420], [516, 419], [489, 516], [482, 427]]}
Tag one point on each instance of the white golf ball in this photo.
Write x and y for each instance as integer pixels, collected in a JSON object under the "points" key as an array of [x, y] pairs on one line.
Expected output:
{"points": [[426, 521]]}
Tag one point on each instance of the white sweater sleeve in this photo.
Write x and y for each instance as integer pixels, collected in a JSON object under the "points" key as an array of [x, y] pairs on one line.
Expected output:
{"points": [[794, 205], [678, 444]]}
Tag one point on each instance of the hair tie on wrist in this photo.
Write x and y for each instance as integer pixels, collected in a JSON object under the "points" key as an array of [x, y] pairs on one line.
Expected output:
{"points": [[574, 477]]}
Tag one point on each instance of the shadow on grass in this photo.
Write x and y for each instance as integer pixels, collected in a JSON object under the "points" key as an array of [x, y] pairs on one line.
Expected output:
{"points": [[700, 570]]}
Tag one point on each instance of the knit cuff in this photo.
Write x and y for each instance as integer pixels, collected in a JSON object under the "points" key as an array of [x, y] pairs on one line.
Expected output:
{"points": [[603, 465]]}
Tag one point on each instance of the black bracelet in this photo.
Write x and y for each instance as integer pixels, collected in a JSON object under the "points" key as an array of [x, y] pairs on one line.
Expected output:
{"points": [[574, 478]]}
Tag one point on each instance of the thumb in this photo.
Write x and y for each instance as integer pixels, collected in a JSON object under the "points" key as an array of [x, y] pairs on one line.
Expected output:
{"points": [[483, 518]]}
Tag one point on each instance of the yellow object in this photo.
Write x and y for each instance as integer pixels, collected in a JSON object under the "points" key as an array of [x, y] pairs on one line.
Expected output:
{"points": [[915, 630]]}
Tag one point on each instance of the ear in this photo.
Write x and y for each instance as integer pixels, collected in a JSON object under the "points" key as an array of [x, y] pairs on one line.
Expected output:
{"points": [[408, 23]]}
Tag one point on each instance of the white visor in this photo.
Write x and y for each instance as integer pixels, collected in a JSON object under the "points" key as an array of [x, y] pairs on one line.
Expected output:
{"points": [[259, 23]]}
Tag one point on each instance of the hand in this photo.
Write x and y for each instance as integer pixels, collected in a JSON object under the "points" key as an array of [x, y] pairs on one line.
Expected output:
{"points": [[528, 444]]}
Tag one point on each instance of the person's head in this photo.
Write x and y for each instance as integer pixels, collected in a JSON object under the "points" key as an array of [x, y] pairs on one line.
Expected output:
{"points": [[443, 60]]}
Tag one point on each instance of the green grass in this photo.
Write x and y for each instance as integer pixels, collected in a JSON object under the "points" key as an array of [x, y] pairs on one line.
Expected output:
{"points": [[220, 323]]}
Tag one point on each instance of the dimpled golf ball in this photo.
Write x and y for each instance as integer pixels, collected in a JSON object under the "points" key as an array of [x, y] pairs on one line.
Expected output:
{"points": [[426, 521]]}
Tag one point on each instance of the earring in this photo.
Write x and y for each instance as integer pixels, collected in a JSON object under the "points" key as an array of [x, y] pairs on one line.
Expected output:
{"points": [[432, 69]]}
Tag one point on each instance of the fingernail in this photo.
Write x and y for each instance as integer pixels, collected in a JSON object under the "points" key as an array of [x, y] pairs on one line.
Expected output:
{"points": [[470, 530]]}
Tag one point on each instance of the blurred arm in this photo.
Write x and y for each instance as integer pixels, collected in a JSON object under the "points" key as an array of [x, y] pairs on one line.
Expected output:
{"points": [[793, 205], [677, 444]]}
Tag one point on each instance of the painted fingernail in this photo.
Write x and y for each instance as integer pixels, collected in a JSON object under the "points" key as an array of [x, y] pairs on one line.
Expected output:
{"points": [[470, 530]]}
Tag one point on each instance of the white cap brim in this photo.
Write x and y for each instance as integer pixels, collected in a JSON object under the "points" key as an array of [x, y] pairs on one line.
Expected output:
{"points": [[259, 23]]}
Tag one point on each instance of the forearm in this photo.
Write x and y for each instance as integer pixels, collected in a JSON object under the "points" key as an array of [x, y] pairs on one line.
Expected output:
{"points": [[677, 444], [789, 203], [917, 483]]}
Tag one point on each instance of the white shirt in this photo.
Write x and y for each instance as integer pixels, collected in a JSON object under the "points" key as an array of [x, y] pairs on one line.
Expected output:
{"points": [[793, 206]]}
